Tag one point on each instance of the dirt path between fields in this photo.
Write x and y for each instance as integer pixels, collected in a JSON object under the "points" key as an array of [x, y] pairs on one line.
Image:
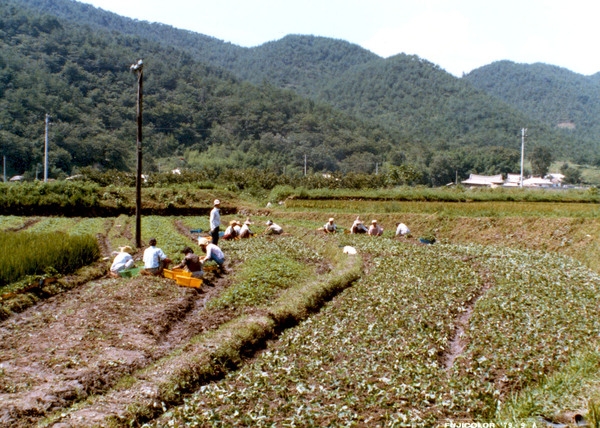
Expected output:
{"points": [[82, 342], [460, 340]]}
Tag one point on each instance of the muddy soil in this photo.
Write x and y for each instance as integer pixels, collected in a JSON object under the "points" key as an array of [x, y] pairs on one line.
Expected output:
{"points": [[82, 342]]}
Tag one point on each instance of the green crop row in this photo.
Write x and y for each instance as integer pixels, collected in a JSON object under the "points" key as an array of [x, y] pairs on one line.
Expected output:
{"points": [[25, 253], [268, 265], [167, 236], [384, 352]]}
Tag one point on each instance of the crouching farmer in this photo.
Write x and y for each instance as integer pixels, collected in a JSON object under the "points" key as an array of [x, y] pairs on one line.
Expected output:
{"points": [[212, 252], [191, 263], [123, 260], [155, 260]]}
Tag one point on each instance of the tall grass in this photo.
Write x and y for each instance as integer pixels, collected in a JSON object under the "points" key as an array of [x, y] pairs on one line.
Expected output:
{"points": [[24, 253]]}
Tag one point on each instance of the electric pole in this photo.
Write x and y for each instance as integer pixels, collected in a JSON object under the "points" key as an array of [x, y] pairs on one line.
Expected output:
{"points": [[523, 131], [139, 70], [46, 149]]}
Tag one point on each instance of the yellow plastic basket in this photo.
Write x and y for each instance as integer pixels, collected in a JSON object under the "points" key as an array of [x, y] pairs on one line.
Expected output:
{"points": [[188, 281], [172, 273]]}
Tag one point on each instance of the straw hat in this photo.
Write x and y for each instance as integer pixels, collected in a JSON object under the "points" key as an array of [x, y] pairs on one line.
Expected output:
{"points": [[203, 241], [331, 220], [374, 221], [216, 202], [126, 249], [269, 223]]}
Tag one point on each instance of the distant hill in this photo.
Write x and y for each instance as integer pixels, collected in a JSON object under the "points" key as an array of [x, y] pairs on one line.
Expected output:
{"points": [[397, 110], [561, 98]]}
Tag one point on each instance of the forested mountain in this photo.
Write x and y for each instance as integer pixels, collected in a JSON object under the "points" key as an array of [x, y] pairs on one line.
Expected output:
{"points": [[211, 104], [81, 78], [559, 97]]}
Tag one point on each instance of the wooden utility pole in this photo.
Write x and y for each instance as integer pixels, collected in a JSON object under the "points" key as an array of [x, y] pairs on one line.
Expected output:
{"points": [[523, 131], [46, 149], [139, 70]]}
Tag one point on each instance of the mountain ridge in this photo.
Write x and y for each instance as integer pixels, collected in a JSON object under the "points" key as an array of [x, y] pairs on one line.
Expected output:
{"points": [[427, 114]]}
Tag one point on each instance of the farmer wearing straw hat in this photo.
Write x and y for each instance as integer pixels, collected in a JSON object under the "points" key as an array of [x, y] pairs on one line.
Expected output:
{"points": [[212, 251], [358, 226], [231, 232], [123, 260], [245, 231]]}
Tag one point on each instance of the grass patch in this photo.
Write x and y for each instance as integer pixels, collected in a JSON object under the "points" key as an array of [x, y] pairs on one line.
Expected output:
{"points": [[576, 384], [24, 253]]}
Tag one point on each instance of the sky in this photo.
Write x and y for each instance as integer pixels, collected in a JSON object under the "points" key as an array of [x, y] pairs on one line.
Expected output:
{"points": [[457, 35]]}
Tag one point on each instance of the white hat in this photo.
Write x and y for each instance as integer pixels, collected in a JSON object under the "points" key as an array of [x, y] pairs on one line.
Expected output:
{"points": [[374, 221], [216, 202], [269, 223], [331, 219], [203, 241], [126, 249], [248, 222]]}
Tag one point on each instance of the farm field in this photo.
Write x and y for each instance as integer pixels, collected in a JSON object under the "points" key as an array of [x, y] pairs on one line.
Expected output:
{"points": [[415, 335], [430, 334]]}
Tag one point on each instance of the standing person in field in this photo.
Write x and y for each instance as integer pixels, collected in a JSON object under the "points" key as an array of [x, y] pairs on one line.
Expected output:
{"points": [[330, 226], [273, 229], [155, 260], [215, 221], [191, 263], [375, 229], [212, 252]]}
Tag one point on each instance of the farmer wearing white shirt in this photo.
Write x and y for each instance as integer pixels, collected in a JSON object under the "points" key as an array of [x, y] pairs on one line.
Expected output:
{"points": [[273, 229], [245, 231], [155, 260], [375, 229], [212, 252], [402, 229], [215, 221], [330, 226], [123, 260]]}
